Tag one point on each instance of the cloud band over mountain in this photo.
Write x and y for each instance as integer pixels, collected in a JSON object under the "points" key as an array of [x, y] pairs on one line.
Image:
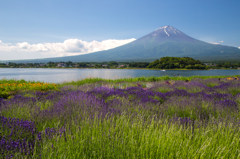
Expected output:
{"points": [[67, 48]]}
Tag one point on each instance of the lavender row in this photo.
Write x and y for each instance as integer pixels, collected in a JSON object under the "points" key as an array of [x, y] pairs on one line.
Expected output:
{"points": [[22, 137], [183, 102]]}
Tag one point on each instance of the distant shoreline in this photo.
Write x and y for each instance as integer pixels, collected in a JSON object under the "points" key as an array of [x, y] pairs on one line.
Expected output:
{"points": [[123, 68]]}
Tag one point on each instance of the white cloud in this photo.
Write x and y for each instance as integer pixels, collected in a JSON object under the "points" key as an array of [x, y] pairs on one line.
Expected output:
{"points": [[23, 45], [67, 48], [216, 43], [239, 47]]}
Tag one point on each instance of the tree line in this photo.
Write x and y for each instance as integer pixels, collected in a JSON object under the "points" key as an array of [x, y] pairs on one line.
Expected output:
{"points": [[162, 63], [177, 63]]}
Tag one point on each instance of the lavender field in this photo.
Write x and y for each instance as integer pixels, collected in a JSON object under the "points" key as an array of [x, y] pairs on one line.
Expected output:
{"points": [[196, 118]]}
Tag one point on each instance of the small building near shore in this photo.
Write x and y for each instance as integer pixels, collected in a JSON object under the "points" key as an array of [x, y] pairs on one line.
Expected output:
{"points": [[61, 65]]}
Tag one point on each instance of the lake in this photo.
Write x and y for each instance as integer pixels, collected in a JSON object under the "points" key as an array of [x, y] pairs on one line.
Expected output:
{"points": [[62, 75]]}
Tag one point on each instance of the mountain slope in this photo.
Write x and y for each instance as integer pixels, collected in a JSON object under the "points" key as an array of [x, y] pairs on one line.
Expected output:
{"points": [[165, 41]]}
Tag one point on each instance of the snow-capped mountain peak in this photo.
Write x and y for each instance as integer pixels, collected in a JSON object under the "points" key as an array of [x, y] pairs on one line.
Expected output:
{"points": [[168, 33], [168, 30]]}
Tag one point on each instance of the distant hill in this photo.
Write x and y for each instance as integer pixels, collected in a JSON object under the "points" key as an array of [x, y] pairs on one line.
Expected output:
{"points": [[177, 63], [165, 41]]}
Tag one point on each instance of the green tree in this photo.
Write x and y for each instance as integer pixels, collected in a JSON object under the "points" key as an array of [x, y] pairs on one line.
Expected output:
{"points": [[176, 62]]}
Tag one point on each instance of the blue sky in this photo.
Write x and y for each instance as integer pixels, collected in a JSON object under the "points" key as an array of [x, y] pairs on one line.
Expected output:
{"points": [[62, 27]]}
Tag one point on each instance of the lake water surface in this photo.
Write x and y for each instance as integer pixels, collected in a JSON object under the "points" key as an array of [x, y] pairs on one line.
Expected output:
{"points": [[61, 75]]}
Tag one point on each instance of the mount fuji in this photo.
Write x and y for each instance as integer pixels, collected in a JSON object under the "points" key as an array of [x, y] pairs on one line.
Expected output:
{"points": [[164, 41], [167, 33]]}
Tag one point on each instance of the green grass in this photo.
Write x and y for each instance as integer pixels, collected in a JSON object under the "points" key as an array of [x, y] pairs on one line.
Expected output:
{"points": [[124, 137], [137, 79], [211, 84], [234, 91], [130, 80]]}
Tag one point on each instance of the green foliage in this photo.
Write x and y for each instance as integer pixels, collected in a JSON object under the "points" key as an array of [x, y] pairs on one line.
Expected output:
{"points": [[139, 64], [234, 91], [176, 62], [97, 66], [143, 139], [211, 84], [4, 94], [82, 65], [112, 63], [45, 105], [163, 90], [137, 79]]}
